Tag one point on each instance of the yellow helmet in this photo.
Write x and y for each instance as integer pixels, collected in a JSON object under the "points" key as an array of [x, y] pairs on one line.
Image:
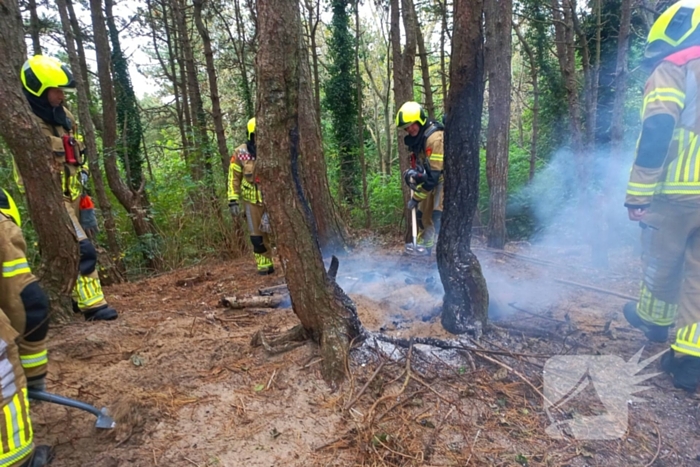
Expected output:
{"points": [[41, 72], [409, 113], [9, 208], [675, 29], [251, 128]]}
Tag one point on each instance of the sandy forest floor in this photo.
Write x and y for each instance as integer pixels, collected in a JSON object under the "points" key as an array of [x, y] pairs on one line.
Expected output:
{"points": [[179, 375]]}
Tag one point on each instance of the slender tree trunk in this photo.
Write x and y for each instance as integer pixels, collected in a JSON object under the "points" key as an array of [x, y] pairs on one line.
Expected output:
{"points": [[78, 34], [213, 85], [466, 296], [314, 20], [245, 80], [330, 230], [360, 120], [443, 68], [618, 112], [132, 199], [535, 100], [425, 73], [326, 313], [565, 47], [34, 27], [33, 156], [499, 14], [403, 59], [90, 140]]}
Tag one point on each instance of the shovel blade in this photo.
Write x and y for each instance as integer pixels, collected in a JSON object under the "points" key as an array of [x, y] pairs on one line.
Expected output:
{"points": [[415, 250], [104, 421]]}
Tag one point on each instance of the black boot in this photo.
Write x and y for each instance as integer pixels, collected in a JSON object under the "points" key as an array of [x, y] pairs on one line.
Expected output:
{"points": [[653, 332], [76, 309], [42, 455], [267, 271], [686, 375], [103, 313]]}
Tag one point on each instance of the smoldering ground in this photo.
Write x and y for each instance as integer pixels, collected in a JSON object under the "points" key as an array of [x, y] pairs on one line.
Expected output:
{"points": [[577, 208]]}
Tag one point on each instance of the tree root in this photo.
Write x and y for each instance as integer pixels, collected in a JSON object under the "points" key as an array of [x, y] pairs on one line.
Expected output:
{"points": [[295, 337]]}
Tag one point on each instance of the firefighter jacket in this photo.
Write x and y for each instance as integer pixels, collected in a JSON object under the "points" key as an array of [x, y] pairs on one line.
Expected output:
{"points": [[667, 161], [242, 179], [428, 152], [23, 300], [70, 172]]}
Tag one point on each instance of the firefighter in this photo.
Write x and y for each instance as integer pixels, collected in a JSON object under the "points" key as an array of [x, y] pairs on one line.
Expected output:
{"points": [[243, 183], [663, 193], [24, 314], [44, 80], [424, 140]]}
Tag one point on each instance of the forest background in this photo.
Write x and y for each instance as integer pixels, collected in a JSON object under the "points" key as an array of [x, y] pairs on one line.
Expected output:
{"points": [[561, 114]]}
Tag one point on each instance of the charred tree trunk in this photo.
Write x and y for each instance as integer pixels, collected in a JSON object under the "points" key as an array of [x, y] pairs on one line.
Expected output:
{"points": [[330, 230], [42, 184], [213, 85], [466, 296], [499, 14], [326, 313], [403, 59], [90, 139]]}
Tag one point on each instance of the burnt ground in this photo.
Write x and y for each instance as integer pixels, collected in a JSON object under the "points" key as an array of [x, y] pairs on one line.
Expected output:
{"points": [[178, 373]]}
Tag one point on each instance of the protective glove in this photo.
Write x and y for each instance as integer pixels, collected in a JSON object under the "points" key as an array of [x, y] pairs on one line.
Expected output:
{"points": [[38, 384], [84, 177], [234, 208], [414, 177], [265, 223], [412, 204], [88, 220]]}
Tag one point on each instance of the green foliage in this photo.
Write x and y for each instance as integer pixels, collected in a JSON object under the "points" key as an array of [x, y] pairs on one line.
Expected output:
{"points": [[341, 100]]}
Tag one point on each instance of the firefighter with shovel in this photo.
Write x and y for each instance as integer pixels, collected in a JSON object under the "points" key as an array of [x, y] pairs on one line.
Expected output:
{"points": [[424, 140], [23, 356]]}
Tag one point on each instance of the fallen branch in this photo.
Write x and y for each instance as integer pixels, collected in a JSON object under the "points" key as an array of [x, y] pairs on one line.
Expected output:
{"points": [[596, 289], [275, 289], [237, 303]]}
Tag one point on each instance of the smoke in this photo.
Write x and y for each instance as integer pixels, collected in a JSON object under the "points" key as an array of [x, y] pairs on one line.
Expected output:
{"points": [[580, 219]]}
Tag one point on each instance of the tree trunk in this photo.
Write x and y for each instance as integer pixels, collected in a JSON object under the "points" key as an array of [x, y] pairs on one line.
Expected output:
{"points": [[565, 47], [90, 140], [245, 82], [326, 313], [535, 100], [314, 20], [443, 68], [78, 34], [466, 296], [33, 156], [499, 14], [132, 200], [34, 27], [360, 120], [425, 73], [329, 226], [403, 59], [213, 85], [620, 86]]}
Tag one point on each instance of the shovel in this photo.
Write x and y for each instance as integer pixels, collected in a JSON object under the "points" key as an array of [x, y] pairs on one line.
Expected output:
{"points": [[413, 248], [104, 421]]}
